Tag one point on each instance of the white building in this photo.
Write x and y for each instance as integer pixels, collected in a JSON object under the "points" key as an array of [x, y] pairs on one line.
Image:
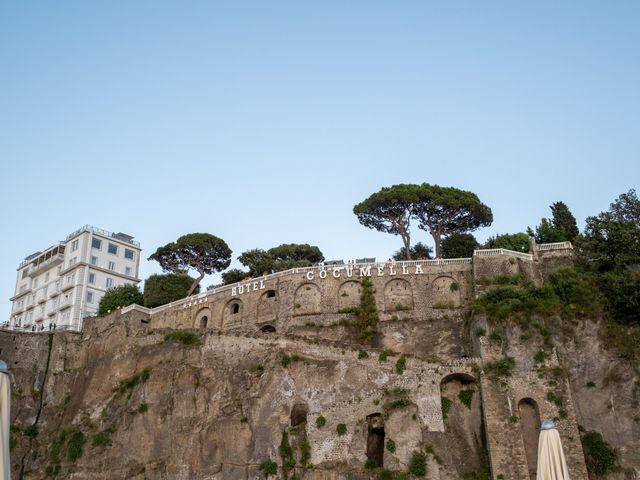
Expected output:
{"points": [[65, 283]]}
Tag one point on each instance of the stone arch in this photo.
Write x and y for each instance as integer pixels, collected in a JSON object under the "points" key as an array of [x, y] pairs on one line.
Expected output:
{"points": [[530, 430], [398, 295], [349, 294], [375, 440], [202, 319], [232, 313], [267, 329], [267, 305], [445, 292], [307, 299], [299, 414]]}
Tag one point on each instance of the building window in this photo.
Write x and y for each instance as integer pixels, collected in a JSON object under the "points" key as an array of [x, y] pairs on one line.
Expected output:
{"points": [[96, 243], [109, 282], [128, 254], [127, 271], [89, 297], [92, 278], [112, 265], [46, 277], [35, 283], [72, 261], [24, 272], [74, 245], [111, 248]]}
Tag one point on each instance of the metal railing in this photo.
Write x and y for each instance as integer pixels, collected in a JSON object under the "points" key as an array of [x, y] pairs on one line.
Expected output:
{"points": [[103, 232]]}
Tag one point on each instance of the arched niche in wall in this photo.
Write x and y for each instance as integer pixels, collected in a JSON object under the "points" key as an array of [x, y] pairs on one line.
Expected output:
{"points": [[530, 430], [445, 292], [203, 319], [267, 329], [307, 299], [349, 294], [463, 420], [232, 313], [375, 440], [299, 414], [267, 305], [398, 295]]}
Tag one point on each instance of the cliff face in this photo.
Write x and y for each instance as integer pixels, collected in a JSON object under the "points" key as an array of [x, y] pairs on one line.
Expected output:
{"points": [[132, 397]]}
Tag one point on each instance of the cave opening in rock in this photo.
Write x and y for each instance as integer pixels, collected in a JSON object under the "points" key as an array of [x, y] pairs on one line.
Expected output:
{"points": [[530, 430], [375, 440], [299, 414], [203, 322]]}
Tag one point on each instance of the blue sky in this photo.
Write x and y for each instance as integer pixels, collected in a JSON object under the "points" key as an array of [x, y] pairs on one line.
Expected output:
{"points": [[265, 122]]}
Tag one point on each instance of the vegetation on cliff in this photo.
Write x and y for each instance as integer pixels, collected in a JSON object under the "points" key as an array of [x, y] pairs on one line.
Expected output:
{"points": [[163, 289]]}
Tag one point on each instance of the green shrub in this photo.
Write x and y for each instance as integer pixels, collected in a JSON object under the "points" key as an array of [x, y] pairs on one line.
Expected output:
{"points": [[599, 455], [143, 407], [401, 364], [402, 308], [101, 439], [446, 406], [384, 355], [391, 446], [363, 354], [118, 297], [286, 452], [163, 289], [466, 397], [75, 446], [129, 383], [186, 338], [321, 421], [479, 332], [621, 290], [285, 361], [341, 429], [305, 451], [418, 464], [269, 468], [540, 357], [31, 431], [553, 398], [500, 368]]}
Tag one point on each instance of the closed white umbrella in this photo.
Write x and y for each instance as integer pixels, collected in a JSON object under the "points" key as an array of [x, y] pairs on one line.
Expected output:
{"points": [[551, 462], [5, 406]]}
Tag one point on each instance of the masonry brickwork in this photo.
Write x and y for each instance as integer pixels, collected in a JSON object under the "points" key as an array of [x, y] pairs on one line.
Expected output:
{"points": [[235, 387]]}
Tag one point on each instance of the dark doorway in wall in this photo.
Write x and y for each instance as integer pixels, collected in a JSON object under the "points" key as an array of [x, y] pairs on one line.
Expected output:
{"points": [[268, 329], [203, 322], [271, 294], [375, 440], [299, 414], [530, 430], [235, 308]]}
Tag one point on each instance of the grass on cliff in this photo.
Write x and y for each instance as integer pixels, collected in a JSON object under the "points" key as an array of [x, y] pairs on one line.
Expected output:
{"points": [[129, 383], [184, 337]]}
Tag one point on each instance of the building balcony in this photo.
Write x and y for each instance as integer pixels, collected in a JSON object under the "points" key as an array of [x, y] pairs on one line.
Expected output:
{"points": [[54, 292], [45, 262], [21, 294], [67, 286], [41, 298]]}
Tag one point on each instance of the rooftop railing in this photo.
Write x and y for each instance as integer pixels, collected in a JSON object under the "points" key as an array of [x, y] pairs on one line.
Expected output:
{"points": [[101, 231]]}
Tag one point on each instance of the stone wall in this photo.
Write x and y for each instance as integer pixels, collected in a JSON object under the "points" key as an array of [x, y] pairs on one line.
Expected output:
{"points": [[272, 350]]}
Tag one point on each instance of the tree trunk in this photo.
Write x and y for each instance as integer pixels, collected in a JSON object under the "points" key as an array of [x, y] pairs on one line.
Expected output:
{"points": [[196, 282], [407, 246], [437, 239]]}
